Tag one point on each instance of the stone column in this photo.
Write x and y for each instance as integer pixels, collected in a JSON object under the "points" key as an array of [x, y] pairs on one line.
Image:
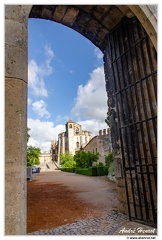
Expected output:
{"points": [[15, 118]]}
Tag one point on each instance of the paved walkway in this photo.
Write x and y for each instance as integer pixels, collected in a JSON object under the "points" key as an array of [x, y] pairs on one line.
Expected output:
{"points": [[111, 223], [114, 223]]}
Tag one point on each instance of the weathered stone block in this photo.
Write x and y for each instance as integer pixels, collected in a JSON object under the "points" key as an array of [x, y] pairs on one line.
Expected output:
{"points": [[17, 13], [16, 62], [123, 208], [47, 14], [99, 9], [121, 183], [59, 13], [93, 26], [16, 34], [114, 16], [86, 8], [70, 16], [15, 156], [118, 168], [121, 196], [16, 113]]}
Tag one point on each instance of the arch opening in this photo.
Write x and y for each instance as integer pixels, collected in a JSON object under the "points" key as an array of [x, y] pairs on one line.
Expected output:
{"points": [[16, 96]]}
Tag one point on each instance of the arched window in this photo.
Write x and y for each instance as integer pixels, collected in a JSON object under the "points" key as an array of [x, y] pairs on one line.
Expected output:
{"points": [[77, 144], [70, 126], [77, 130]]}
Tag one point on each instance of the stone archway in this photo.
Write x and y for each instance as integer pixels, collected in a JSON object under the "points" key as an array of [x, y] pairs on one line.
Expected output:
{"points": [[95, 23]]}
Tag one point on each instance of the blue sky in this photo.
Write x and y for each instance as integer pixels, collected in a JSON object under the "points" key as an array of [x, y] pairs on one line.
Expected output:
{"points": [[65, 81]]}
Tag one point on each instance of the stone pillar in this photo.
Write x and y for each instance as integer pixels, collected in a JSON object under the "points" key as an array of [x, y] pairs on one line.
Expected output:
{"points": [[15, 118], [104, 131], [100, 132]]}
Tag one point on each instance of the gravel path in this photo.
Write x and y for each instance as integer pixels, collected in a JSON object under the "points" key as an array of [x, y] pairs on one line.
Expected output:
{"points": [[61, 203]]}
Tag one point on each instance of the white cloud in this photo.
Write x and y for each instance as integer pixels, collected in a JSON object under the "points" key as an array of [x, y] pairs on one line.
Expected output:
{"points": [[50, 55], [42, 133], [37, 73], [93, 126], [91, 100], [98, 53], [29, 101], [39, 107], [35, 79], [60, 118]]}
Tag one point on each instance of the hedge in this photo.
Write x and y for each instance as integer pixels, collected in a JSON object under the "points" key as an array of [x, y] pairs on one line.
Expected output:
{"points": [[91, 171], [83, 171], [100, 171], [105, 169], [68, 169]]}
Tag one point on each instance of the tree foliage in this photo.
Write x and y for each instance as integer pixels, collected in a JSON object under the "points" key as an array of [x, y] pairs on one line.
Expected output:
{"points": [[67, 160], [33, 154], [107, 120], [109, 159], [109, 162], [28, 135], [85, 159]]}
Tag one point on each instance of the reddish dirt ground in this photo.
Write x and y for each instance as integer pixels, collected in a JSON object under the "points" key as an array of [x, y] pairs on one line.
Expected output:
{"points": [[51, 202]]}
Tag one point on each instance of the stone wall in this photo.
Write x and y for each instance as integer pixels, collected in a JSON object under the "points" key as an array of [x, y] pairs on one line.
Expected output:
{"points": [[16, 18], [101, 144], [131, 74], [45, 158]]}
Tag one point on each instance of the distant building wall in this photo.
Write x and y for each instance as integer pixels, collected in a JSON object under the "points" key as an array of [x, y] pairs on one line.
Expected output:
{"points": [[45, 158], [72, 140], [101, 144]]}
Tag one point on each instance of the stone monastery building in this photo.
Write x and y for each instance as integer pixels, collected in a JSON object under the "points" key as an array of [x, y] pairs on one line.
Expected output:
{"points": [[72, 140], [75, 139]]}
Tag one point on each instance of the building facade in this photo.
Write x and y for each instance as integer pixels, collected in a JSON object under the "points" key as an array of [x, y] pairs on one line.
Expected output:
{"points": [[45, 158], [101, 144], [72, 140]]}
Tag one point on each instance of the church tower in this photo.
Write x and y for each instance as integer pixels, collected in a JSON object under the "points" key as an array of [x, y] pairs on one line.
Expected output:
{"points": [[73, 133]]}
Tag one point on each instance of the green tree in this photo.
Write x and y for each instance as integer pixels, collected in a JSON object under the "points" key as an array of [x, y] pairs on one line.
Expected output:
{"points": [[80, 159], [107, 120], [85, 159], [33, 154], [67, 160], [91, 158], [109, 161], [28, 135]]}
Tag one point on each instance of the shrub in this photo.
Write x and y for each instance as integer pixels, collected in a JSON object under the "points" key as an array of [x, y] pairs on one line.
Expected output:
{"points": [[105, 169], [109, 158], [80, 159], [111, 168], [100, 164], [92, 171], [100, 171], [68, 169], [83, 171], [67, 160], [85, 159], [33, 154]]}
